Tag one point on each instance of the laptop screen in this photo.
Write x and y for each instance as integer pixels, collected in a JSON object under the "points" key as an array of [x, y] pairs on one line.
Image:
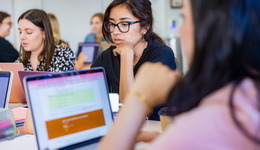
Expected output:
{"points": [[90, 50], [22, 74], [69, 108], [17, 93], [5, 79]]}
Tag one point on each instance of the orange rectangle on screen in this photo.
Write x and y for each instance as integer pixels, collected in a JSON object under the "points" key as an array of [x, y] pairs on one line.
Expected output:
{"points": [[76, 123]]}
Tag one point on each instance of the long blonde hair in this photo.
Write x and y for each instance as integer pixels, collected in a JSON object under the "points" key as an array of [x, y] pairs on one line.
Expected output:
{"points": [[55, 28]]}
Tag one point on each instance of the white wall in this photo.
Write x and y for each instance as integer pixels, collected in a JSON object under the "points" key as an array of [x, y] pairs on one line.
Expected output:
{"points": [[163, 17], [74, 18]]}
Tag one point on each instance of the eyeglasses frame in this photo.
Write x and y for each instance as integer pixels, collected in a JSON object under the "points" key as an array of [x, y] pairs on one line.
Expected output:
{"points": [[117, 25]]}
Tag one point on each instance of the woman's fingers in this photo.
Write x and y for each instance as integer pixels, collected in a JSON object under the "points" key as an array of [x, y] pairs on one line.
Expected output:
{"points": [[147, 136]]}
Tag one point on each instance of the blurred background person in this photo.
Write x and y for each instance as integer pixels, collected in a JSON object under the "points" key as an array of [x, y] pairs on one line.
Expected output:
{"points": [[79, 63], [96, 23], [8, 52], [96, 36], [56, 30]]}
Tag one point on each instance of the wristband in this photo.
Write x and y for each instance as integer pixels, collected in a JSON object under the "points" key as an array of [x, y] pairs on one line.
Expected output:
{"points": [[143, 99]]}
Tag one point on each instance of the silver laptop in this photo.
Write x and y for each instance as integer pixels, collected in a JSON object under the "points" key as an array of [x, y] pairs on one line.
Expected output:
{"points": [[69, 110], [6, 78]]}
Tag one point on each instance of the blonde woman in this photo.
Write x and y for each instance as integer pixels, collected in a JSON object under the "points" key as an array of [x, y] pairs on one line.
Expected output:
{"points": [[56, 31]]}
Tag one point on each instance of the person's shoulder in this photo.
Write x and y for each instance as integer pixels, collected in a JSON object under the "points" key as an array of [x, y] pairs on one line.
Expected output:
{"points": [[108, 51], [156, 47], [219, 127], [91, 37], [63, 50], [2, 39], [4, 42], [244, 98], [17, 60], [245, 89], [63, 43], [104, 57], [107, 54], [156, 52], [91, 34]]}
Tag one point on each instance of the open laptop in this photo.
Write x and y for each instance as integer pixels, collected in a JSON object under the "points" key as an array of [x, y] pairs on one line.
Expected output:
{"points": [[17, 93], [5, 87], [90, 50], [22, 74], [70, 109]]}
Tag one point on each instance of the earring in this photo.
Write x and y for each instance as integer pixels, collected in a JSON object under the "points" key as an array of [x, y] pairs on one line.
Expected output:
{"points": [[144, 33]]}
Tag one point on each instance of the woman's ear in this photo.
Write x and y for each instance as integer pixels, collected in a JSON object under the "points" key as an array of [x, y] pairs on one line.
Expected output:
{"points": [[43, 35], [145, 29]]}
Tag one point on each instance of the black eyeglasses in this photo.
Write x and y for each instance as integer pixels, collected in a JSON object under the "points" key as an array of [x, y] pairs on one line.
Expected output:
{"points": [[123, 26]]}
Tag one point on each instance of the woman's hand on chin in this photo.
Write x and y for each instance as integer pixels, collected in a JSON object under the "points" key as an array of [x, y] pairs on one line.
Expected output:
{"points": [[124, 49]]}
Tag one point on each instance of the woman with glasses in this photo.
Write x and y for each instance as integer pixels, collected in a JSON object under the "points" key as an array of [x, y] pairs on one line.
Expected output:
{"points": [[7, 51], [128, 24], [218, 101]]}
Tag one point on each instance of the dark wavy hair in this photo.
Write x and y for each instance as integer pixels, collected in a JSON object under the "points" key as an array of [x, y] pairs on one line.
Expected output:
{"points": [[40, 19], [3, 15], [227, 42], [142, 10]]}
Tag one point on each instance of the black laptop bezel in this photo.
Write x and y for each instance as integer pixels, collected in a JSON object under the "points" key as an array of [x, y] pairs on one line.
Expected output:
{"points": [[96, 49]]}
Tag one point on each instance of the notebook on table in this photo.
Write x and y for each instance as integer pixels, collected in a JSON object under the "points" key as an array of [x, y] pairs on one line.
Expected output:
{"points": [[69, 109], [17, 93], [19, 115], [90, 50], [5, 87]]}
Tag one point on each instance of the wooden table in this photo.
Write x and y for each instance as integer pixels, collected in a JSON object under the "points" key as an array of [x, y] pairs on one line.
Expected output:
{"points": [[28, 142]]}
